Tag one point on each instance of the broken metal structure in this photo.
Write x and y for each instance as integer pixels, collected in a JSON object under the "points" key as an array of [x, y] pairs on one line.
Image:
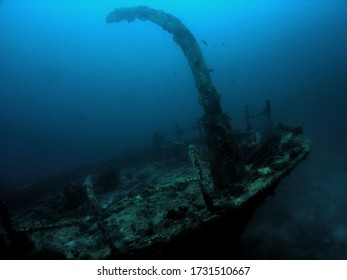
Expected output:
{"points": [[162, 208], [225, 161]]}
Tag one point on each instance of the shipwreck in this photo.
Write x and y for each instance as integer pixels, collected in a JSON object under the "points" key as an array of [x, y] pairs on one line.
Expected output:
{"points": [[195, 205]]}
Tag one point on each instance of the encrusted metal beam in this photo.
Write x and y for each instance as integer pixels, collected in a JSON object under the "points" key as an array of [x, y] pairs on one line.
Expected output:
{"points": [[226, 168]]}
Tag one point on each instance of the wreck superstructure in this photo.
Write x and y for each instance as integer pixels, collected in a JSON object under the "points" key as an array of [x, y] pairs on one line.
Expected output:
{"points": [[195, 206]]}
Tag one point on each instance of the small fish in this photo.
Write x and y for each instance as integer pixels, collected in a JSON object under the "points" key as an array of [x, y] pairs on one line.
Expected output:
{"points": [[233, 82], [204, 42], [210, 70]]}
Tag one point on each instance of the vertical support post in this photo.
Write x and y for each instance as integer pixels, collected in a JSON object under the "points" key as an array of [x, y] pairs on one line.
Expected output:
{"points": [[194, 157], [267, 112], [94, 207], [268, 119]]}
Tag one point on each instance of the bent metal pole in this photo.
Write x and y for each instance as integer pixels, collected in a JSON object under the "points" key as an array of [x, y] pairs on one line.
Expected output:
{"points": [[225, 163]]}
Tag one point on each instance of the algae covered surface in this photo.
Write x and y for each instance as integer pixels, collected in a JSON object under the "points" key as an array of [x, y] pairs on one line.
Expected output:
{"points": [[156, 203]]}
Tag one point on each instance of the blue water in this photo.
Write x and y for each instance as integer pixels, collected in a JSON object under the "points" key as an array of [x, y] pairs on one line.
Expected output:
{"points": [[75, 90]]}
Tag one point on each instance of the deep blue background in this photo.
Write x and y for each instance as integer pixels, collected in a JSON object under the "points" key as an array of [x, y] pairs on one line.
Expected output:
{"points": [[74, 90]]}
